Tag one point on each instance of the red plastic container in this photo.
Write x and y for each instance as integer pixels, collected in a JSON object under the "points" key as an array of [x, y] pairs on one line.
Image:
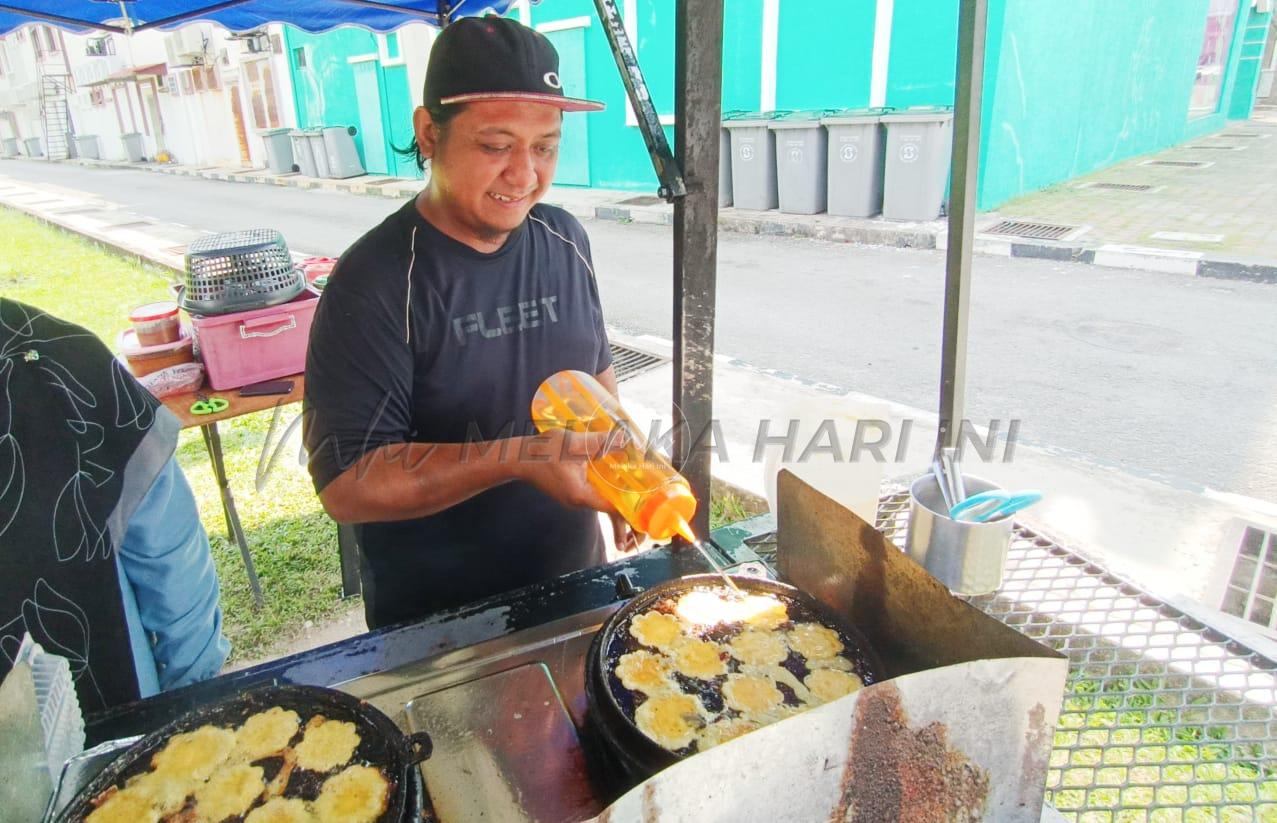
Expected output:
{"points": [[251, 346], [156, 323]]}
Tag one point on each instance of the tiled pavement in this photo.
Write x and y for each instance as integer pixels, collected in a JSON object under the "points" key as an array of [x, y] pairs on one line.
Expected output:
{"points": [[1225, 208]]}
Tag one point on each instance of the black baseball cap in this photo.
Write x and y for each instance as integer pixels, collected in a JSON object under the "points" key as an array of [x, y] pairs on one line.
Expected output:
{"points": [[496, 58]]}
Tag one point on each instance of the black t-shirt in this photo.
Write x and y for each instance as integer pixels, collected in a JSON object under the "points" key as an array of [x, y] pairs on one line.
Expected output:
{"points": [[420, 338]]}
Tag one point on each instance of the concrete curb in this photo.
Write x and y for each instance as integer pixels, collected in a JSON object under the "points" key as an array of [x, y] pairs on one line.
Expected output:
{"points": [[868, 231]]}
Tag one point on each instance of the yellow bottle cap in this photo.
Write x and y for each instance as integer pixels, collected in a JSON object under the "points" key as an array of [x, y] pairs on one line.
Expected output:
{"points": [[667, 511]]}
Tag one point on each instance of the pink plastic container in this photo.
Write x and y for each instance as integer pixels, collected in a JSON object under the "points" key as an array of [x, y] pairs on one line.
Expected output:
{"points": [[251, 346]]}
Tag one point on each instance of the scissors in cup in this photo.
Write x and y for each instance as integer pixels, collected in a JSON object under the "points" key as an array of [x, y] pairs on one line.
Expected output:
{"points": [[993, 504]]}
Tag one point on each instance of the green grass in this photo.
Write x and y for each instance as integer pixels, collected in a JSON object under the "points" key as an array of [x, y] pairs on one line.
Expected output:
{"points": [[293, 543], [728, 505], [1118, 745]]}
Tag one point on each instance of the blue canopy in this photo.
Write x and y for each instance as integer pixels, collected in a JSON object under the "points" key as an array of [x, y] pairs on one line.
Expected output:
{"points": [[238, 15]]}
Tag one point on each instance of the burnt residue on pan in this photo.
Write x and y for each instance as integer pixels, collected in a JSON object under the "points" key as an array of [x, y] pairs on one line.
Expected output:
{"points": [[622, 642]]}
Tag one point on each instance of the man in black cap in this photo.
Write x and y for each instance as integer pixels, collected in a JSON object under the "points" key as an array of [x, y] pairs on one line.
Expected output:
{"points": [[434, 332]]}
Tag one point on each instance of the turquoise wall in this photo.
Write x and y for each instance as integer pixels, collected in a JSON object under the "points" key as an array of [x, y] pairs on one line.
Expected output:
{"points": [[824, 60], [1253, 39], [1079, 85], [325, 92], [924, 53], [1071, 86]]}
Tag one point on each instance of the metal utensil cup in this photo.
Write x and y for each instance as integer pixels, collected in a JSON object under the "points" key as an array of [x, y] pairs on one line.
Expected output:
{"points": [[967, 557]]}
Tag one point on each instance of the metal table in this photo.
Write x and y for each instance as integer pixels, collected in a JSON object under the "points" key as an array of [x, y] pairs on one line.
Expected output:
{"points": [[1165, 718]]}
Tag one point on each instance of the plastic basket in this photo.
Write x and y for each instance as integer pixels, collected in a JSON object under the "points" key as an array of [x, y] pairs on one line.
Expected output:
{"points": [[238, 271]]}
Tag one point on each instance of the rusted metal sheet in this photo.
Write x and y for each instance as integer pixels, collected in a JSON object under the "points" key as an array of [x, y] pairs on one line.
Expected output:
{"points": [[959, 743], [917, 625]]}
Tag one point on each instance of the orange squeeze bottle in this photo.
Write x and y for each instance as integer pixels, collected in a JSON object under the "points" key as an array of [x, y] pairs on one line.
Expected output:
{"points": [[653, 498]]}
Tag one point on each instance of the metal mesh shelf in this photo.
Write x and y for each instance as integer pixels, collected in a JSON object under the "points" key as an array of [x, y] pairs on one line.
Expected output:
{"points": [[1164, 719]]}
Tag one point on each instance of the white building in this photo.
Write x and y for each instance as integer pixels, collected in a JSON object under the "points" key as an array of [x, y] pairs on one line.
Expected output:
{"points": [[197, 95]]}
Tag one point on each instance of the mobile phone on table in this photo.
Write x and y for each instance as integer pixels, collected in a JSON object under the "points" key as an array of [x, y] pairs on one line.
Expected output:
{"points": [[268, 387]]}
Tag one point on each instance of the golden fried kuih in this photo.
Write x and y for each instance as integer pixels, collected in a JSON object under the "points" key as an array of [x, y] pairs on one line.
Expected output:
{"points": [[831, 684], [642, 671], [281, 810], [327, 745], [195, 755], [229, 792], [712, 607], [814, 641], [702, 659], [751, 695], [764, 612], [755, 647], [836, 662], [656, 629], [266, 733], [166, 792], [358, 794], [723, 730], [124, 807], [672, 720]]}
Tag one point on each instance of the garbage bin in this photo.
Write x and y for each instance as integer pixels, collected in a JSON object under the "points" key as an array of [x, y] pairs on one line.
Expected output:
{"points": [[753, 161], [133, 146], [919, 142], [303, 157], [725, 159], [855, 162], [11, 147], [802, 162], [343, 156], [315, 137], [86, 146], [34, 147], [279, 150]]}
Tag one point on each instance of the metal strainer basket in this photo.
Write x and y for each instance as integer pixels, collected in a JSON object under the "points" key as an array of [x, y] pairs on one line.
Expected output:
{"points": [[239, 271]]}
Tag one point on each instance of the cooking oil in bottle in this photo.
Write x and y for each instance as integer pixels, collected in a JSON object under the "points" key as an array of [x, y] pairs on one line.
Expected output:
{"points": [[653, 498]]}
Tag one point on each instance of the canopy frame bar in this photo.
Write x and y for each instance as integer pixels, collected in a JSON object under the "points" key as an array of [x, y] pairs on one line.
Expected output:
{"points": [[969, 94], [668, 171]]}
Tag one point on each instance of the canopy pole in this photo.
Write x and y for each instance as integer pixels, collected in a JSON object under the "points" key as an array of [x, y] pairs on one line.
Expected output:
{"points": [[698, 82], [972, 19]]}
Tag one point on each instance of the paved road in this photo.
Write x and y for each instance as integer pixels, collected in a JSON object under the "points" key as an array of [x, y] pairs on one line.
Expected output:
{"points": [[1158, 375]]}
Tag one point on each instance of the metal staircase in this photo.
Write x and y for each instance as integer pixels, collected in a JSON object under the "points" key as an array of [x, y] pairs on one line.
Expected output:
{"points": [[55, 116]]}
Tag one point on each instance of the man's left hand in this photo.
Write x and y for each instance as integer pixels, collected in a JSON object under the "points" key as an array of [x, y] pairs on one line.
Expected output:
{"points": [[624, 535]]}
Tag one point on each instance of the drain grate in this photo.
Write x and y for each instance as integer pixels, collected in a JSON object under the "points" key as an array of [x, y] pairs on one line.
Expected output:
{"points": [[642, 200], [1207, 147], [630, 362], [1141, 187], [1252, 587], [1181, 164], [1259, 134], [1031, 230]]}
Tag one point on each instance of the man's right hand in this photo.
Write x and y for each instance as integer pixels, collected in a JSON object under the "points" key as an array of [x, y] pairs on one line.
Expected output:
{"points": [[556, 462]]}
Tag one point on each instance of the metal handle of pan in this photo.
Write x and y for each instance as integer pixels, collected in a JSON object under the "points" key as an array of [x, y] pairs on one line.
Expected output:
{"points": [[420, 747]]}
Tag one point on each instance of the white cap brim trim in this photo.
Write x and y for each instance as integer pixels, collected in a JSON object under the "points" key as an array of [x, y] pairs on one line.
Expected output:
{"points": [[556, 100]]}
